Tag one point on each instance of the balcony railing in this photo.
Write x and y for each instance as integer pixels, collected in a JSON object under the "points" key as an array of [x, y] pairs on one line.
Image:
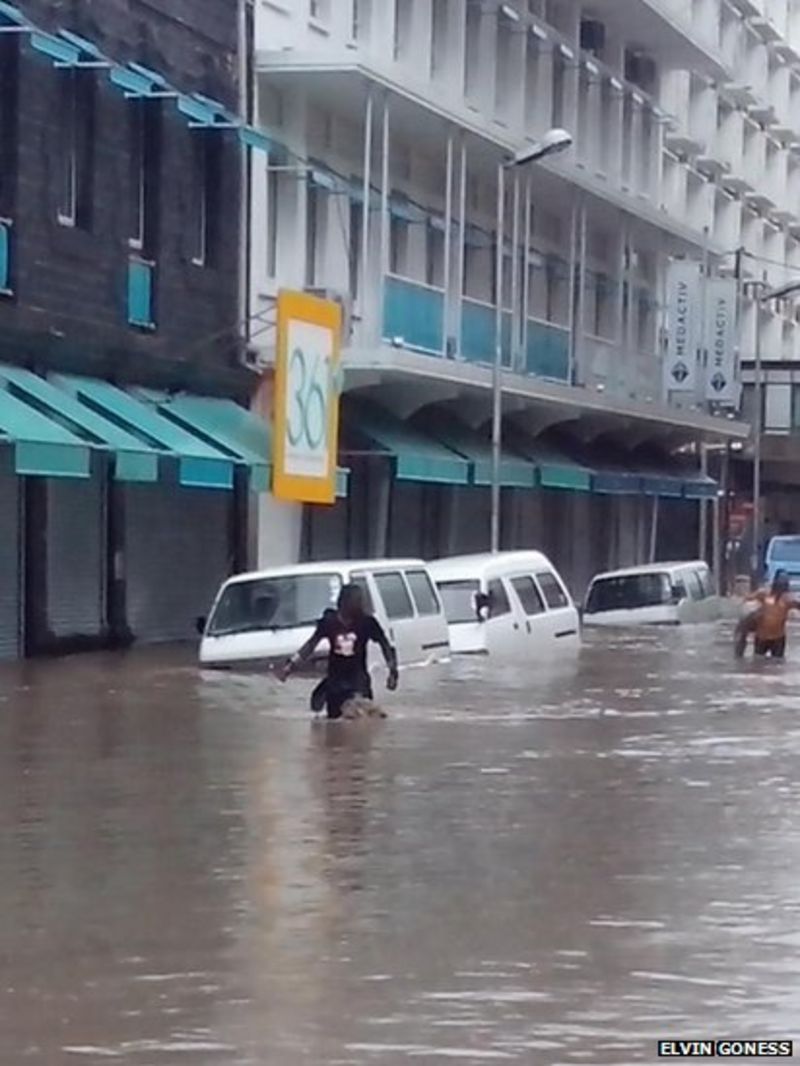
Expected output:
{"points": [[547, 351], [478, 333], [414, 313]]}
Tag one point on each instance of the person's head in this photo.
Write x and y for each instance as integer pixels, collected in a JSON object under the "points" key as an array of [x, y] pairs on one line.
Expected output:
{"points": [[351, 601], [780, 583]]}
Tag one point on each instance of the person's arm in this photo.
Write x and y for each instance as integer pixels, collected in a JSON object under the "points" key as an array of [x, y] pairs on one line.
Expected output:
{"points": [[389, 654], [305, 652]]}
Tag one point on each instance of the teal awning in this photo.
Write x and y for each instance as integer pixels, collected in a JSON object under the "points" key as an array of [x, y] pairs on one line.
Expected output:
{"points": [[201, 465], [133, 459], [556, 470], [233, 429], [616, 483], [664, 485], [417, 457], [514, 472], [223, 424], [699, 487], [42, 448]]}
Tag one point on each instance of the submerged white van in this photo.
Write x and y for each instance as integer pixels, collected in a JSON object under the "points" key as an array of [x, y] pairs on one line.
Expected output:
{"points": [[658, 594], [266, 616], [510, 603]]}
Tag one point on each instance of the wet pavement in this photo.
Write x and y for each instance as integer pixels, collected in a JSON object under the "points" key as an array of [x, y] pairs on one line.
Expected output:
{"points": [[515, 867]]}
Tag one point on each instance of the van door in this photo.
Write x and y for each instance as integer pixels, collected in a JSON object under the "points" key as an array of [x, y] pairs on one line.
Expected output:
{"points": [[431, 630], [402, 627], [506, 630], [562, 615], [535, 623]]}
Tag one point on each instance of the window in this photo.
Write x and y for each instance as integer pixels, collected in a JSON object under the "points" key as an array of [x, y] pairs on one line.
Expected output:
{"points": [[312, 233], [398, 245], [423, 592], [395, 596], [76, 128], [363, 584], [704, 577], [206, 206], [319, 10], [274, 603], [498, 599], [272, 220], [529, 595], [9, 120], [559, 88], [145, 153], [403, 18], [553, 592], [354, 247], [439, 36], [362, 9], [434, 256], [458, 598], [472, 48]]}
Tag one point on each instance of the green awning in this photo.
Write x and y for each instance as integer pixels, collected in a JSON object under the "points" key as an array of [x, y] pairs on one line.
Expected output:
{"points": [[556, 470], [201, 465], [232, 428], [42, 448], [514, 472], [417, 457], [223, 424], [133, 459]]}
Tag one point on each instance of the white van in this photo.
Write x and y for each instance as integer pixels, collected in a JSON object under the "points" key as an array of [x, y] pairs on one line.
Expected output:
{"points": [[658, 594], [266, 616], [510, 603]]}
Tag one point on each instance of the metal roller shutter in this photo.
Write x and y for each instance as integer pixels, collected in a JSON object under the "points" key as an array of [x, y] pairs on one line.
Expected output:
{"points": [[326, 532], [10, 579], [177, 551], [75, 558]]}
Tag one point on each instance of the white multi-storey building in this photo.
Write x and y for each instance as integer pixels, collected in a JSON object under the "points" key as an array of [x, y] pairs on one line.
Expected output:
{"points": [[390, 119]]}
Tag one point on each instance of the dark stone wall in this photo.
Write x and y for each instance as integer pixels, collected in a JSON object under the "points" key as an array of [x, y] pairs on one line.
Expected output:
{"points": [[69, 309]]}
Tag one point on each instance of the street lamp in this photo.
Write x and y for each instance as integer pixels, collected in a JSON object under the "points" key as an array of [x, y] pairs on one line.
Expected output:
{"points": [[553, 142], [763, 295]]}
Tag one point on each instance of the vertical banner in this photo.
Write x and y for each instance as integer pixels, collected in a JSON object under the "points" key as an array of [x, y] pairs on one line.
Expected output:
{"points": [[683, 326], [306, 425], [722, 385]]}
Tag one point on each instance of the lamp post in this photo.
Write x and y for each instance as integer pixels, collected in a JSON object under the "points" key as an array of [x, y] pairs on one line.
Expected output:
{"points": [[554, 141], [763, 295]]}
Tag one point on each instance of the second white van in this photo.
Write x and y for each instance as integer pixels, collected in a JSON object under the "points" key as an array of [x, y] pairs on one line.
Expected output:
{"points": [[266, 616], [510, 603]]}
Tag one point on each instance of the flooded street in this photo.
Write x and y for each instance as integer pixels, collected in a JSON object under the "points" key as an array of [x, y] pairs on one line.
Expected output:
{"points": [[513, 868]]}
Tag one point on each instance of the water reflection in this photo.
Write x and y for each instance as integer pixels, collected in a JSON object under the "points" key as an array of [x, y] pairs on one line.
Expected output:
{"points": [[520, 865]]}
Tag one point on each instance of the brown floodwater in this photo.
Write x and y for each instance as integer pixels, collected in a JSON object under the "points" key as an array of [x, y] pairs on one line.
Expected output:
{"points": [[516, 867]]}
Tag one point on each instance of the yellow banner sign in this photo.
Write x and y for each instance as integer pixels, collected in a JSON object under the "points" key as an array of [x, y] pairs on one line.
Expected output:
{"points": [[306, 425]]}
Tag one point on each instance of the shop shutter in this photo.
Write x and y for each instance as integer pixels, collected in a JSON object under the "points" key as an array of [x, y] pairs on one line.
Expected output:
{"points": [[75, 558], [177, 552], [10, 580]]}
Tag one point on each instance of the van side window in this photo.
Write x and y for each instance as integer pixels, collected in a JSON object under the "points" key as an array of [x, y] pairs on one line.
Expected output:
{"points": [[498, 599], [395, 595], [529, 595], [423, 592], [361, 580], [554, 595], [706, 582], [694, 585]]}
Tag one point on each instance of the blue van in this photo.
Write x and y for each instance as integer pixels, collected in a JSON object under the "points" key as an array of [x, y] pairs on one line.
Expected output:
{"points": [[783, 553]]}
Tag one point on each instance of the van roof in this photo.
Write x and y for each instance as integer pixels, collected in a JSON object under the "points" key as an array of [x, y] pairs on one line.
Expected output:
{"points": [[652, 568], [331, 566], [484, 564]]}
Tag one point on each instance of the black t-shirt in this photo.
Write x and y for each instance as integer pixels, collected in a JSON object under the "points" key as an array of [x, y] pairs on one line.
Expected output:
{"points": [[347, 661]]}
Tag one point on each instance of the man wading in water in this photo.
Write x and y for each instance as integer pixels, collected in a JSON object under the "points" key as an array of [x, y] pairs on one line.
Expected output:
{"points": [[768, 621], [348, 630]]}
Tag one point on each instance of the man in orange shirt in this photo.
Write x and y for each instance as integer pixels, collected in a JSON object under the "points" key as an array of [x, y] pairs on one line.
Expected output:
{"points": [[775, 606]]}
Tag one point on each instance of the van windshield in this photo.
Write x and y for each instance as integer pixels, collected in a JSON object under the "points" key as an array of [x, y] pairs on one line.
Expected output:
{"points": [[785, 551], [629, 592], [458, 599], [286, 602]]}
